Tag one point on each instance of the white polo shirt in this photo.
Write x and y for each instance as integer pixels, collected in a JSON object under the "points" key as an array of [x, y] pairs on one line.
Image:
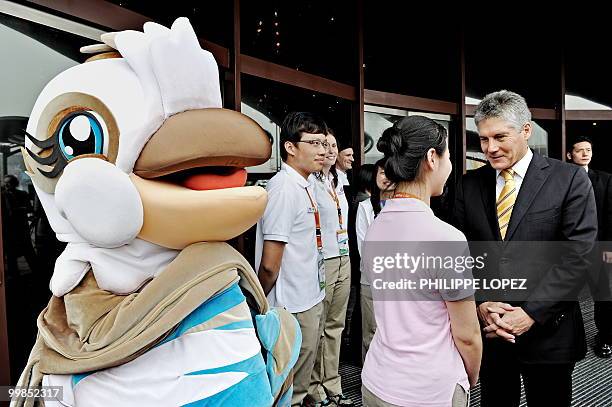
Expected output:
{"points": [[329, 213], [342, 178], [365, 217], [289, 218]]}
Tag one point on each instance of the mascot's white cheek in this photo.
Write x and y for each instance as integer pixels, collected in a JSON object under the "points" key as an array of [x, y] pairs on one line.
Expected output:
{"points": [[100, 202]]}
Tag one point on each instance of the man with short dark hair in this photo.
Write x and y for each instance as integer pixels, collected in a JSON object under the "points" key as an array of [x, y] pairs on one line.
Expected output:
{"points": [[289, 250], [581, 153], [345, 160], [521, 196]]}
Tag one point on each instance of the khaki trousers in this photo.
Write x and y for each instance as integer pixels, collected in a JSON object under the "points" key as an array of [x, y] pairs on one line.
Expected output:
{"points": [[368, 323], [461, 398], [311, 325], [325, 376]]}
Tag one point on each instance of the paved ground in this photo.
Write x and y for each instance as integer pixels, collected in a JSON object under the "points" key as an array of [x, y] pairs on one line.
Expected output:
{"points": [[592, 376]]}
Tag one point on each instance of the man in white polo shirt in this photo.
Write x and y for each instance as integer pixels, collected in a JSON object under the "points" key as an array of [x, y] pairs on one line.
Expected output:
{"points": [[345, 159], [288, 249]]}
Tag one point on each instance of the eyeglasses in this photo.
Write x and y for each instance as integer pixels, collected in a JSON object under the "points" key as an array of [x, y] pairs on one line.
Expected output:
{"points": [[316, 143]]}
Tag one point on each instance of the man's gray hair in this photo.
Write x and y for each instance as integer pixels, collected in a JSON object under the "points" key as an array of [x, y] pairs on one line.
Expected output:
{"points": [[506, 105]]}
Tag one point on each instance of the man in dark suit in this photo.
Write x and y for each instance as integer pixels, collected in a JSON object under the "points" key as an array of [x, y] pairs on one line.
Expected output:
{"points": [[581, 153], [518, 198]]}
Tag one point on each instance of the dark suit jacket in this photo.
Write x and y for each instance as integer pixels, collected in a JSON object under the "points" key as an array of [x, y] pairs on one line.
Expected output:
{"points": [[602, 187], [555, 203], [599, 279]]}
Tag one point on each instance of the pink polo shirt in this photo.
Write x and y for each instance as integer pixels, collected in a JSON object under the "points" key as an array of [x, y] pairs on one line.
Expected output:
{"points": [[413, 360]]}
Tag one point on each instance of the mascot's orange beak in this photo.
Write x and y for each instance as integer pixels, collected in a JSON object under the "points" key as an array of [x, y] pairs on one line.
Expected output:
{"points": [[191, 176]]}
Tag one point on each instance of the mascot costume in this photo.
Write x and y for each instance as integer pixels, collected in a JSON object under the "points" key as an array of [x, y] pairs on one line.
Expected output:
{"points": [[141, 172]]}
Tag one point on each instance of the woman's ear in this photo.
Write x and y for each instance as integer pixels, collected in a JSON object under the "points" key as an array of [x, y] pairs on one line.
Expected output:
{"points": [[431, 159]]}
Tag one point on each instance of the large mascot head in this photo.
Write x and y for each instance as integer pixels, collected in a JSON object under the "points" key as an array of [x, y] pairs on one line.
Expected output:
{"points": [[133, 158]]}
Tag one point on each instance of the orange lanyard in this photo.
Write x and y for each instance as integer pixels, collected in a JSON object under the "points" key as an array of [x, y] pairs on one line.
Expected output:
{"points": [[405, 195], [334, 195], [317, 221]]}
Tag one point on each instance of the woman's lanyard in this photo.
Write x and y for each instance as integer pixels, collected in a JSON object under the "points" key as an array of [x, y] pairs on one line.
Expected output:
{"points": [[317, 222], [406, 195], [334, 195]]}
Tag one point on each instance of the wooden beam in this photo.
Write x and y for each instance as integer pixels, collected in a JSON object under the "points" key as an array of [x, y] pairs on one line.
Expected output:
{"points": [[375, 97], [105, 14], [221, 54], [536, 113], [358, 105], [236, 96], [461, 144], [594, 115], [543, 114], [98, 12], [561, 107], [279, 73]]}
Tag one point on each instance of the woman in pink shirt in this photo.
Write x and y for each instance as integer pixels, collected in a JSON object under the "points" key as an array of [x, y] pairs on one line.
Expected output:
{"points": [[426, 351]]}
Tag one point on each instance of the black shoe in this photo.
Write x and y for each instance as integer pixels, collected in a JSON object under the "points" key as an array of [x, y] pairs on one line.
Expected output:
{"points": [[308, 402], [603, 350]]}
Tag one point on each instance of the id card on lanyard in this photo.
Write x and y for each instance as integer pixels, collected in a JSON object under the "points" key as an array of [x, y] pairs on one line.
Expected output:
{"points": [[341, 233], [320, 257]]}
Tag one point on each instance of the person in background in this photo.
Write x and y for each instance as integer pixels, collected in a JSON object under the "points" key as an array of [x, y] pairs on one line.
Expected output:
{"points": [[288, 249], [344, 162], [426, 351], [368, 209], [351, 341], [363, 183], [16, 208], [581, 153], [333, 207]]}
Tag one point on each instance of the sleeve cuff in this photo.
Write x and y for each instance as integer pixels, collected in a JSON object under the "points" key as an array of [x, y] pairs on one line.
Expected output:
{"points": [[533, 313], [276, 238]]}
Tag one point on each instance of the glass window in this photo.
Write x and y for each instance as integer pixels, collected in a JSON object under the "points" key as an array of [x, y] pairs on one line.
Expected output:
{"points": [[524, 61], [32, 54], [587, 65], [377, 119], [211, 20], [410, 51], [314, 37], [575, 102], [268, 102], [273, 131]]}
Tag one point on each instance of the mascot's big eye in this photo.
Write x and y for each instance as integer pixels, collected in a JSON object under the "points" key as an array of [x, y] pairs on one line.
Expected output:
{"points": [[80, 133]]}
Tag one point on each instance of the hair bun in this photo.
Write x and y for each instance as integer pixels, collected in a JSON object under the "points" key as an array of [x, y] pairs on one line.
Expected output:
{"points": [[390, 143], [398, 168], [405, 144]]}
